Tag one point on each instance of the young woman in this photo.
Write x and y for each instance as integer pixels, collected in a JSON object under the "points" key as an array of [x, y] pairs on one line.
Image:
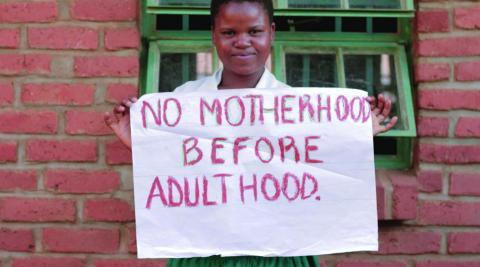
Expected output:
{"points": [[242, 32]]}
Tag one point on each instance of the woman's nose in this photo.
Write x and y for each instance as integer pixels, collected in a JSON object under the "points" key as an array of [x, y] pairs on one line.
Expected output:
{"points": [[243, 40]]}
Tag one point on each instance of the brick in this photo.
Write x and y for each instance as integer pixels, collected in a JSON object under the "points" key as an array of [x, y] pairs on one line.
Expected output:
{"points": [[118, 153], [447, 263], [464, 184], [433, 21], [9, 38], [48, 262], [449, 47], [404, 197], [16, 240], [58, 94], [122, 38], [449, 99], [14, 64], [86, 122], [22, 12], [105, 10], [403, 242], [81, 181], [129, 263], [449, 213], [61, 150], [92, 240], [370, 263], [11, 180], [118, 92], [132, 240], [432, 72], [11, 64], [467, 71], [8, 151], [430, 181], [108, 210], [464, 242], [7, 94], [77, 38], [28, 122], [381, 211], [19, 209], [37, 64], [106, 66], [468, 127], [433, 126], [454, 154], [467, 18]]}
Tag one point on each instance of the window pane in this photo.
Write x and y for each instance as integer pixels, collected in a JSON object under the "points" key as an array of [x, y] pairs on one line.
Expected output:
{"points": [[383, 4], [374, 74], [176, 69], [201, 3], [307, 70], [385, 146], [314, 3]]}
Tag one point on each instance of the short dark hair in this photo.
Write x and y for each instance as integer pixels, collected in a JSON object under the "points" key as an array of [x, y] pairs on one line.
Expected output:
{"points": [[217, 4]]}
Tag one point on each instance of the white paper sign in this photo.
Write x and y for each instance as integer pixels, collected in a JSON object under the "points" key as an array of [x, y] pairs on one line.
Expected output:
{"points": [[280, 172]]}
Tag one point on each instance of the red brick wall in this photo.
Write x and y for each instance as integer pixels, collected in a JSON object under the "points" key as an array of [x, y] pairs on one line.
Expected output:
{"points": [[66, 182]]}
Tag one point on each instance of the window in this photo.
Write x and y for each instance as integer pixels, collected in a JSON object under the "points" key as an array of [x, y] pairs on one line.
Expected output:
{"points": [[360, 44]]}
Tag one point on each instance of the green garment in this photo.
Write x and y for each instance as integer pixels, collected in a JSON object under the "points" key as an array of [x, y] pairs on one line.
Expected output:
{"points": [[245, 261]]}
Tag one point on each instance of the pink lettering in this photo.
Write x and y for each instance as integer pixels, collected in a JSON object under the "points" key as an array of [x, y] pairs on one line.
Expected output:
{"points": [[173, 182], [244, 188], [309, 148], [269, 177], [237, 147], [366, 115], [156, 118], [342, 106], [304, 103], [186, 151], [215, 108], [275, 110], [188, 202], [179, 112], [285, 186], [286, 109], [207, 202], [321, 108], [270, 146], [252, 108], [308, 177], [242, 111], [285, 148], [156, 186], [352, 108], [216, 146], [224, 186]]}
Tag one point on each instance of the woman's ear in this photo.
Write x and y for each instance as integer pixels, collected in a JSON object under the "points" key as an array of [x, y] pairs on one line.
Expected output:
{"points": [[212, 29], [272, 30]]}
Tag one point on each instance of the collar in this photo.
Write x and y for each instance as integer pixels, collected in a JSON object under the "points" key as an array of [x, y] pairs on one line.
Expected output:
{"points": [[266, 81]]}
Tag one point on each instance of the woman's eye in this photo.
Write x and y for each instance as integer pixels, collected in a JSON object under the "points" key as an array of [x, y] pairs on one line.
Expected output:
{"points": [[255, 32], [228, 33]]}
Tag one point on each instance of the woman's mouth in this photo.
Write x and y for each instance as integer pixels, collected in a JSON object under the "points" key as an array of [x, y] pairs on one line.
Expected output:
{"points": [[246, 56]]}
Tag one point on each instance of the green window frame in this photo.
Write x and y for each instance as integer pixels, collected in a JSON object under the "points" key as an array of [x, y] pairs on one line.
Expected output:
{"points": [[159, 42]]}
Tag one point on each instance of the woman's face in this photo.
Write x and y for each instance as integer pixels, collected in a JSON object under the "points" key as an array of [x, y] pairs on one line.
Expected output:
{"points": [[242, 35]]}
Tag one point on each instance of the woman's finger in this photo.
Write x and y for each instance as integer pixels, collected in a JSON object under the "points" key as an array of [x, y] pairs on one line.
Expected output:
{"points": [[109, 118], [390, 124], [380, 103], [387, 108]]}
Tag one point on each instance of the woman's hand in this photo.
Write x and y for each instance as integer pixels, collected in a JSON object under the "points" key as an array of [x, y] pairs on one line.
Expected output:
{"points": [[380, 110], [119, 121]]}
